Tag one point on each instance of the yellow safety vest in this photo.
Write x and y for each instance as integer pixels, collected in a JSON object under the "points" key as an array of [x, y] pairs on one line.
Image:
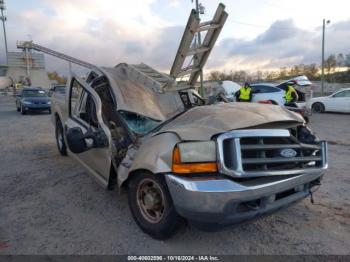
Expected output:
{"points": [[244, 93], [288, 95]]}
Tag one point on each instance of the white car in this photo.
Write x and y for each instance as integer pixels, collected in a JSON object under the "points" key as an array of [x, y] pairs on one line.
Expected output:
{"points": [[337, 102], [268, 92], [274, 93]]}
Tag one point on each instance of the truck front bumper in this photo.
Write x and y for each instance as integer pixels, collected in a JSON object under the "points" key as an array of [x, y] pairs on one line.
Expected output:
{"points": [[225, 201]]}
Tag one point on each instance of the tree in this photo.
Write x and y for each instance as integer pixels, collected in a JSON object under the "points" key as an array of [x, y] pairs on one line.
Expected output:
{"points": [[55, 76], [214, 76], [340, 60], [311, 71], [283, 74], [330, 64], [347, 61]]}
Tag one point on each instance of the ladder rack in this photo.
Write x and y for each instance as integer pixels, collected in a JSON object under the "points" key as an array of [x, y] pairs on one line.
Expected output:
{"points": [[146, 74]]}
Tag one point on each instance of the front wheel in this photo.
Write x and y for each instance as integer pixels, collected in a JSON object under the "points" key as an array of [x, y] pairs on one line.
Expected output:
{"points": [[23, 111], [151, 205], [61, 145]]}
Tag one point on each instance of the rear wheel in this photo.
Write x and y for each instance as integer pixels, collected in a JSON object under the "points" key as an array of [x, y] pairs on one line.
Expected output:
{"points": [[318, 107], [61, 145], [151, 205]]}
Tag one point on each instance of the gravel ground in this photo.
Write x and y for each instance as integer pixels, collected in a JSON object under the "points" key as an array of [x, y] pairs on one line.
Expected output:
{"points": [[50, 205]]}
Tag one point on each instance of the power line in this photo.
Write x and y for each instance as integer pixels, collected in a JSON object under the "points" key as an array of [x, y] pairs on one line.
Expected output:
{"points": [[262, 26]]}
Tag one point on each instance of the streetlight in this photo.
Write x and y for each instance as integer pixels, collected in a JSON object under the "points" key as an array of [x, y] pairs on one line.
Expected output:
{"points": [[322, 64], [3, 19]]}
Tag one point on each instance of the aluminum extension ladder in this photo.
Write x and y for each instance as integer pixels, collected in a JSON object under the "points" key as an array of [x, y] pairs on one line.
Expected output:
{"points": [[160, 80], [199, 54]]}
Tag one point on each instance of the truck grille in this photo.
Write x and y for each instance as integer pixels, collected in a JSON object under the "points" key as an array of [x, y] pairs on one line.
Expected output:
{"points": [[250, 153]]}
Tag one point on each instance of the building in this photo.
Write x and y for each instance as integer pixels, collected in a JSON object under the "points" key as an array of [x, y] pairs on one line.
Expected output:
{"points": [[26, 68]]}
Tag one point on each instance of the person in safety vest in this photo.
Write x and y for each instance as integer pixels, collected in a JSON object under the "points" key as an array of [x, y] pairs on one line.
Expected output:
{"points": [[291, 96], [244, 94]]}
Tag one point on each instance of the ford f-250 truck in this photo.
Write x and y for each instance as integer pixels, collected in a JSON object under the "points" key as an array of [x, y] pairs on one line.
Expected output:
{"points": [[177, 158], [137, 129]]}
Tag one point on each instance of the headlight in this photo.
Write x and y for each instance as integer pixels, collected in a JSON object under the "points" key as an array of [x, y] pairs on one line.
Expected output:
{"points": [[194, 157], [49, 103], [27, 102]]}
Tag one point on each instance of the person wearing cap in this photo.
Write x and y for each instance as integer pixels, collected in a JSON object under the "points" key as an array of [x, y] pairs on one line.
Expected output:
{"points": [[291, 96], [244, 94]]}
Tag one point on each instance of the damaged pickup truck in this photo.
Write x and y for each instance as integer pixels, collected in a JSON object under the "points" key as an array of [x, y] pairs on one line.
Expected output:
{"points": [[134, 128]]}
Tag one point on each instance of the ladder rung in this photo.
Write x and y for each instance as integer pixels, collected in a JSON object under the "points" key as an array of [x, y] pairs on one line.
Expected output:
{"points": [[208, 27], [188, 70], [197, 51], [206, 23]]}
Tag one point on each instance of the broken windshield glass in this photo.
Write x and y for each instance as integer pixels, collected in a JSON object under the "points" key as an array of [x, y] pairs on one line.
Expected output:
{"points": [[139, 124]]}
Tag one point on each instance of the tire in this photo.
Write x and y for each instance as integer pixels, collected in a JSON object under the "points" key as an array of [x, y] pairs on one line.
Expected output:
{"points": [[18, 109], [273, 102], [318, 107], [23, 111], [160, 219], [50, 111], [61, 144]]}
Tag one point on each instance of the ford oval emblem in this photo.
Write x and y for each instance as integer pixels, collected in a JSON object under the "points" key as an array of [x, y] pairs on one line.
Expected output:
{"points": [[287, 152]]}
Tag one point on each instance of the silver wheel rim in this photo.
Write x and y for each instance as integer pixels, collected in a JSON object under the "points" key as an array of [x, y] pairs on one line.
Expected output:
{"points": [[150, 200]]}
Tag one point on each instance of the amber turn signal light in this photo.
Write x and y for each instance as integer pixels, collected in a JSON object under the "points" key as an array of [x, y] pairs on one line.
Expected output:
{"points": [[187, 168]]}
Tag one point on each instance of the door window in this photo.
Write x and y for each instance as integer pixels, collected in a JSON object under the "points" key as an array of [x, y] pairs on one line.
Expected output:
{"points": [[345, 93], [82, 105], [75, 97], [265, 89]]}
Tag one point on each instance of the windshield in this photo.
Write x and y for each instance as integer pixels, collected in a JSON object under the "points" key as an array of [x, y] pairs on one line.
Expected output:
{"points": [[139, 124], [33, 93]]}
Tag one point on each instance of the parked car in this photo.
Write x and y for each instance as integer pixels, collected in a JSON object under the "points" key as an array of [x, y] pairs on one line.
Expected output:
{"points": [[179, 159], [336, 102], [273, 92], [32, 99], [268, 92], [60, 89]]}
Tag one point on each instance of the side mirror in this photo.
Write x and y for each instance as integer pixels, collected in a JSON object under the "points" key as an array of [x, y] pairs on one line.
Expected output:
{"points": [[76, 140]]}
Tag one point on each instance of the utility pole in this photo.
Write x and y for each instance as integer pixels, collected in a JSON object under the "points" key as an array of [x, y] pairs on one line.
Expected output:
{"points": [[322, 62], [3, 19], [200, 10]]}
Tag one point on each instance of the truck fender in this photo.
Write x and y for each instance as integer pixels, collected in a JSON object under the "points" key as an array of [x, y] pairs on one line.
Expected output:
{"points": [[154, 154]]}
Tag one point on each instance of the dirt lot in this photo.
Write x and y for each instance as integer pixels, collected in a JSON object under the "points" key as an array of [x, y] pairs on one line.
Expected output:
{"points": [[50, 205]]}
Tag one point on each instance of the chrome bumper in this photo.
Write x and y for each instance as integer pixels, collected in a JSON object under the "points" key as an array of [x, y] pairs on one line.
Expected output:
{"points": [[224, 201]]}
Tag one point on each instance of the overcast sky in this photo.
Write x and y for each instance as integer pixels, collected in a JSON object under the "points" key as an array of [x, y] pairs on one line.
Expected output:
{"points": [[258, 35]]}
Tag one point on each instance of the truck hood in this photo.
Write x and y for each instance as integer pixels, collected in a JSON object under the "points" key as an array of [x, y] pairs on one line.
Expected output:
{"points": [[203, 122]]}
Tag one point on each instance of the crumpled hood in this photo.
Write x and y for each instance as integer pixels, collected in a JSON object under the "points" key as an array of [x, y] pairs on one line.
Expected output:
{"points": [[201, 123]]}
